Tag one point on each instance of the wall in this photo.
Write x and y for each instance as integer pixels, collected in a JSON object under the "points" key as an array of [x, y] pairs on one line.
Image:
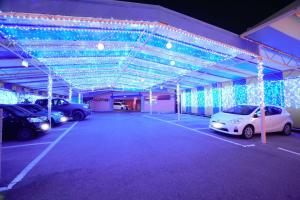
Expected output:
{"points": [[161, 106], [12, 97], [282, 89], [101, 103]]}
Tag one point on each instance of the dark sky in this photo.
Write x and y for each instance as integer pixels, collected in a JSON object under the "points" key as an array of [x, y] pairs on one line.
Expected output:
{"points": [[235, 16]]}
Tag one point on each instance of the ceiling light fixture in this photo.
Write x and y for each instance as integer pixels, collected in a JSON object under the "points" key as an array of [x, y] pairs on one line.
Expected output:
{"points": [[25, 63], [100, 46], [169, 45], [172, 62]]}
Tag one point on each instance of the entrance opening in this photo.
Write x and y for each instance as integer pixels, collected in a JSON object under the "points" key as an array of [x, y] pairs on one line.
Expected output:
{"points": [[127, 104]]}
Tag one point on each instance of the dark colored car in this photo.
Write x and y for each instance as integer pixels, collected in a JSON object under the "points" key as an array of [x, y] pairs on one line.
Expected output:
{"points": [[72, 110], [56, 116], [21, 123]]}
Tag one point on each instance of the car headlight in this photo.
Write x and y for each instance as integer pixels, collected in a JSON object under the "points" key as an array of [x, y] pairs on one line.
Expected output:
{"points": [[45, 127], [63, 119], [34, 119]]}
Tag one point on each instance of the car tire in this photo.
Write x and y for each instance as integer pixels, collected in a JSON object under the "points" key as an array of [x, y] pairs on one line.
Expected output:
{"points": [[121, 108], [24, 134], [248, 132], [78, 115], [287, 129]]}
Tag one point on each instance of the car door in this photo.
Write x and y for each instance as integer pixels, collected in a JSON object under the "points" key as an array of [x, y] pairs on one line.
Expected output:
{"points": [[257, 121], [275, 120], [10, 122]]}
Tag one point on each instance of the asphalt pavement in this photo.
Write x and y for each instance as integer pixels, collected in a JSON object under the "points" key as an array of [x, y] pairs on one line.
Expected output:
{"points": [[117, 156]]}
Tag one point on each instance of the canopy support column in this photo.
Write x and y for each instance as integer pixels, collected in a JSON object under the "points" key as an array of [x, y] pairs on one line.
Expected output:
{"points": [[70, 94], [260, 77], [178, 100], [50, 86], [79, 97], [150, 101]]}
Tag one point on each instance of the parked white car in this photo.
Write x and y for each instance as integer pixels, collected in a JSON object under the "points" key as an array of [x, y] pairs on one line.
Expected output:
{"points": [[245, 120], [120, 106]]}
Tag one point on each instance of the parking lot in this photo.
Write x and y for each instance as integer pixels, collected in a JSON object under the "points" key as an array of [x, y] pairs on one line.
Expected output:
{"points": [[143, 156]]}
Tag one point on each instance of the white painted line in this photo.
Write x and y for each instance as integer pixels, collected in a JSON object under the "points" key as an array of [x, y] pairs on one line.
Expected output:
{"points": [[202, 128], [58, 129], [286, 150], [203, 133], [33, 163], [24, 145], [3, 189]]}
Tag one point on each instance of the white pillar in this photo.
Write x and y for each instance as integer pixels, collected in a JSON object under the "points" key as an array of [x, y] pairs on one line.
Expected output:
{"points": [[70, 94], [50, 85], [79, 97], [178, 101], [150, 100], [260, 77]]}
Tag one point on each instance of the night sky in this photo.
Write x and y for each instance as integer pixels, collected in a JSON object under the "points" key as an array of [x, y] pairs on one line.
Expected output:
{"points": [[235, 16]]}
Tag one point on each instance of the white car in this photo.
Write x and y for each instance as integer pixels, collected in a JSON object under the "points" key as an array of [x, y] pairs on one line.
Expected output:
{"points": [[245, 120], [120, 106]]}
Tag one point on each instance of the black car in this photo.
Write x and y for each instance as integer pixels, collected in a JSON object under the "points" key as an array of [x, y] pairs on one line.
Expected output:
{"points": [[56, 116], [72, 110], [22, 123]]}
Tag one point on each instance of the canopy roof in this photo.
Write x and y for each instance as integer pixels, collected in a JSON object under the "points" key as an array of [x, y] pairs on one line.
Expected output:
{"points": [[92, 53]]}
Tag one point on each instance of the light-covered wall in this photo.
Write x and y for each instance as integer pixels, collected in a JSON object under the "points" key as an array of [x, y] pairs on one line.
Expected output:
{"points": [[282, 89], [11, 97]]}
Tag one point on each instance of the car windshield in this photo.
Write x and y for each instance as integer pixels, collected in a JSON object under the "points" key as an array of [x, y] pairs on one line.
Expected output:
{"points": [[19, 111], [241, 110]]}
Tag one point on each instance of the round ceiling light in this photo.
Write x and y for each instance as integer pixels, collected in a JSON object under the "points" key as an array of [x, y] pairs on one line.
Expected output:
{"points": [[100, 46], [172, 62], [169, 45], [25, 63]]}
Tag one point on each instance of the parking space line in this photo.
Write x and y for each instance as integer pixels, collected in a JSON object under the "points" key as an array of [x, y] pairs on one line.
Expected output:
{"points": [[289, 151], [202, 128], [24, 145], [33, 163], [59, 129], [203, 133]]}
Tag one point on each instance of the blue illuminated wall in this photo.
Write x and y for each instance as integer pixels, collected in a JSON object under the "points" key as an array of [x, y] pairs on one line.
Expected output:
{"points": [[240, 91], [244, 91], [274, 89], [201, 100], [188, 101], [216, 97]]}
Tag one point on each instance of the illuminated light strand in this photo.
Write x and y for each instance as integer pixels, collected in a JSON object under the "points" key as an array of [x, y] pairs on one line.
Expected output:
{"points": [[292, 92], [109, 21], [260, 79]]}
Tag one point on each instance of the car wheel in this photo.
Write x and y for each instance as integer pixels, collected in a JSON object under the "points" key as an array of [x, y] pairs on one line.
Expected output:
{"points": [[121, 108], [248, 132], [78, 115], [24, 134], [287, 129]]}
